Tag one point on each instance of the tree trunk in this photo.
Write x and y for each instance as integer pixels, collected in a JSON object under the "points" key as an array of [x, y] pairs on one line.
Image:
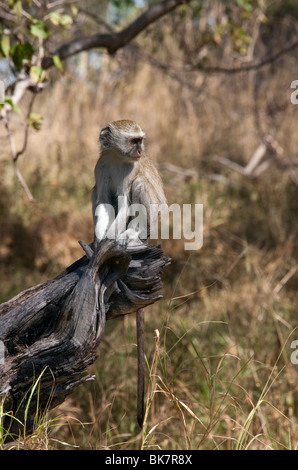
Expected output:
{"points": [[51, 331]]}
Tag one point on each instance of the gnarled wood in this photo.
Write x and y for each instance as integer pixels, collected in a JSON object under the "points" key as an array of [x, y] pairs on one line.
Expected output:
{"points": [[55, 327]]}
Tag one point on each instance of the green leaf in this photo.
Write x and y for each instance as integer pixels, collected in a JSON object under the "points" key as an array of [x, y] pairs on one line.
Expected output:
{"points": [[18, 56], [74, 10], [66, 21], [37, 73], [20, 52], [18, 9], [58, 63], [28, 50], [7, 99], [55, 17], [5, 45], [39, 29], [123, 3], [35, 120]]}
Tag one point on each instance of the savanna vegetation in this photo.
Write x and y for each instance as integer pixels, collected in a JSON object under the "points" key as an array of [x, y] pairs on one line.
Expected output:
{"points": [[210, 82]]}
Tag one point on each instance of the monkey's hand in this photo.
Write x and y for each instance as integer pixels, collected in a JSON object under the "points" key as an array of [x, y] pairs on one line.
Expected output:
{"points": [[129, 238], [134, 242]]}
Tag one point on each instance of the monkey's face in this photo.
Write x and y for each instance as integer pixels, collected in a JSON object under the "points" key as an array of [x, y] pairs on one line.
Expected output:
{"points": [[136, 147], [124, 138]]}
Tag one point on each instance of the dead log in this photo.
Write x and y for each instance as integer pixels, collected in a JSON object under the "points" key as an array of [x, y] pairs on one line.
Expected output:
{"points": [[54, 328]]}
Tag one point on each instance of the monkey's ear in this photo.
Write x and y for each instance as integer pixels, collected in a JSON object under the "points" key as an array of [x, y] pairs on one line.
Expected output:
{"points": [[104, 133]]}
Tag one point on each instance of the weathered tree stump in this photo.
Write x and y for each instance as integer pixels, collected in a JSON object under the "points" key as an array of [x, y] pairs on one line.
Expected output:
{"points": [[55, 327]]}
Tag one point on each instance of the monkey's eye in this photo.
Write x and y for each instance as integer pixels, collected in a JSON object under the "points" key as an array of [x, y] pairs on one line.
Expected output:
{"points": [[136, 141]]}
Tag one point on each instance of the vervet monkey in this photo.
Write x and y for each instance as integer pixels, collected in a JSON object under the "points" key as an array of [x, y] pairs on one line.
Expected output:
{"points": [[124, 175]]}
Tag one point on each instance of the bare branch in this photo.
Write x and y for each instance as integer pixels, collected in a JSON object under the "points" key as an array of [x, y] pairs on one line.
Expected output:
{"points": [[178, 170], [20, 152], [256, 166], [114, 41], [230, 164], [247, 67], [14, 155], [255, 159]]}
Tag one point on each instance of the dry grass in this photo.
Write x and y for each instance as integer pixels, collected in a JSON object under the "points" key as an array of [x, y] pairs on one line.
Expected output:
{"points": [[220, 375]]}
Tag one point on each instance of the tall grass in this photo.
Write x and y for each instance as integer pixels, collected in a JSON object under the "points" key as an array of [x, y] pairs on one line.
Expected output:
{"points": [[37, 437]]}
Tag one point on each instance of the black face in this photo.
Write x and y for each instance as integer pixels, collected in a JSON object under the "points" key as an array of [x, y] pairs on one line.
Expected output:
{"points": [[136, 145]]}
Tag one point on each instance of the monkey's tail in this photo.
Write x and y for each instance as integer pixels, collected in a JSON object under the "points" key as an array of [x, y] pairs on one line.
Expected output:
{"points": [[141, 365]]}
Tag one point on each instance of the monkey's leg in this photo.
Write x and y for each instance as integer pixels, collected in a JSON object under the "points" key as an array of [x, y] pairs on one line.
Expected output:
{"points": [[141, 365]]}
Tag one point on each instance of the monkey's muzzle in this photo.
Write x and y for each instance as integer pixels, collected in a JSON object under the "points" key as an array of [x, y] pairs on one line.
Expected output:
{"points": [[135, 154]]}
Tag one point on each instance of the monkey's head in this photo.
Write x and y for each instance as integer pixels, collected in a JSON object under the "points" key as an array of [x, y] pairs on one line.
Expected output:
{"points": [[125, 139]]}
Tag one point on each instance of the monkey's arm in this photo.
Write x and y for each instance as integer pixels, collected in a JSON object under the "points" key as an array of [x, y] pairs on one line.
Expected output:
{"points": [[147, 192], [103, 214], [117, 229]]}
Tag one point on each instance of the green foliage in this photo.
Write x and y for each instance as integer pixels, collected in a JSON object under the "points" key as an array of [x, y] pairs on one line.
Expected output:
{"points": [[7, 99], [246, 4], [37, 73], [23, 47], [39, 29], [35, 120], [123, 4], [58, 62], [21, 53], [61, 19], [5, 45], [16, 6]]}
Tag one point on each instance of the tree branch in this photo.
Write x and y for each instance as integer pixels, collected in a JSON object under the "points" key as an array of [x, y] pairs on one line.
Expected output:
{"points": [[15, 155], [248, 67], [114, 41], [20, 152]]}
